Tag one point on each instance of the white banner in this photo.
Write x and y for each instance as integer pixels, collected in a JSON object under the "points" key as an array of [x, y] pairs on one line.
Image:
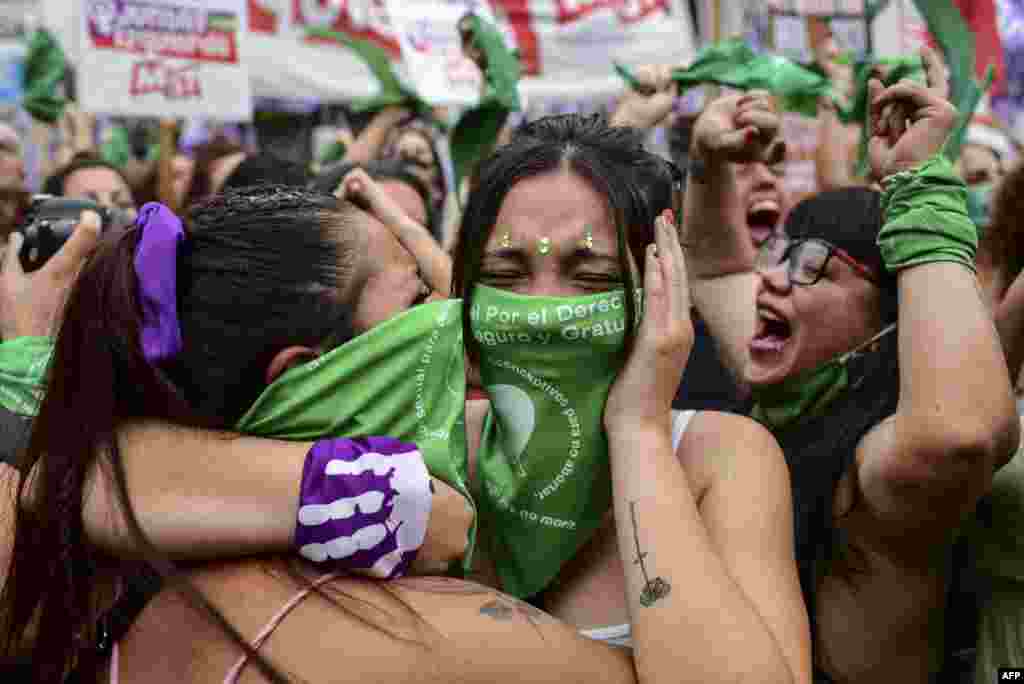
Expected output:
{"points": [[164, 58], [427, 33], [567, 46]]}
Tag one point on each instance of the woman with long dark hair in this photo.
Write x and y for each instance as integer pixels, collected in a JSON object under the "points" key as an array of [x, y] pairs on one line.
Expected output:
{"points": [[669, 532]]}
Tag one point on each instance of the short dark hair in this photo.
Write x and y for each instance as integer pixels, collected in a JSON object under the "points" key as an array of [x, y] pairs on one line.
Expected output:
{"points": [[264, 168], [850, 218], [636, 184], [54, 185]]}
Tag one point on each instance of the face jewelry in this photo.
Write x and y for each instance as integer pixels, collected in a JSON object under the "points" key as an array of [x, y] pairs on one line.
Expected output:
{"points": [[506, 240], [588, 238], [544, 246]]}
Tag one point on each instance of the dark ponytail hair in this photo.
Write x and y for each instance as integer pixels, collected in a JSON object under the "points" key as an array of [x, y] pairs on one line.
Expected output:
{"points": [[259, 270], [637, 186]]}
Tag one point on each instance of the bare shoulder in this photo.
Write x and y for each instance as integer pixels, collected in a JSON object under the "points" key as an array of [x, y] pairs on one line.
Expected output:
{"points": [[718, 445], [355, 630]]}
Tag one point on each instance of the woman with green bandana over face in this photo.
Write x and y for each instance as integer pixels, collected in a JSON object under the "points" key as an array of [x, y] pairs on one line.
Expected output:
{"points": [[891, 434], [678, 524]]}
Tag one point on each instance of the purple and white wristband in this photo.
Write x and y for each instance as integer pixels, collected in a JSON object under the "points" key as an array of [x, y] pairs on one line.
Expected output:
{"points": [[364, 505]]}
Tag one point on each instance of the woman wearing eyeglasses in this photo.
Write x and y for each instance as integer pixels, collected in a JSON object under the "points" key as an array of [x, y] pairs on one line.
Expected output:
{"points": [[873, 360]]}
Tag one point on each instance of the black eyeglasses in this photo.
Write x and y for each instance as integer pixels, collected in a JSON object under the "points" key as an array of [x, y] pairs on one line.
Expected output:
{"points": [[807, 259]]}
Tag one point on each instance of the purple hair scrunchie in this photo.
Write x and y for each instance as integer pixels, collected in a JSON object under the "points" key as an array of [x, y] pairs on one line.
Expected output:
{"points": [[156, 274]]}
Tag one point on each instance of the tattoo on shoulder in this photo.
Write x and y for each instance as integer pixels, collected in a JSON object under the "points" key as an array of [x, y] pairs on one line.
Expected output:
{"points": [[654, 589], [498, 609], [506, 608]]}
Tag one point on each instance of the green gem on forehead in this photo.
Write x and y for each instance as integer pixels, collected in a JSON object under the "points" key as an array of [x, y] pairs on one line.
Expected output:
{"points": [[544, 245]]}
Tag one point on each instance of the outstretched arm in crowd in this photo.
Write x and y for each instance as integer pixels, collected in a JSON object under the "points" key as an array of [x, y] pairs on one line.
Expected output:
{"points": [[731, 130], [955, 422], [435, 264], [650, 104], [368, 144]]}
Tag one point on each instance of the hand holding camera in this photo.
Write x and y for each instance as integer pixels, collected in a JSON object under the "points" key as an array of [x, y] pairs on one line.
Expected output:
{"points": [[42, 260]]}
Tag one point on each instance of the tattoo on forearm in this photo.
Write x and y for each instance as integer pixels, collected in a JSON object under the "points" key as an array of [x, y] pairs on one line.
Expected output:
{"points": [[655, 589]]}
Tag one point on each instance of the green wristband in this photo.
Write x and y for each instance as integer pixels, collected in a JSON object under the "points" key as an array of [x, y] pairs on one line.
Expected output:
{"points": [[926, 218], [23, 365]]}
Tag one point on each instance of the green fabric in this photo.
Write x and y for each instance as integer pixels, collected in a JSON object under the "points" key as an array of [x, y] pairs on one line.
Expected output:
{"points": [[807, 394], [899, 69], [404, 378], [45, 68], [926, 218], [116, 149], [803, 396], [956, 40], [979, 204], [477, 130], [733, 63], [545, 484], [392, 91], [23, 366], [335, 152]]}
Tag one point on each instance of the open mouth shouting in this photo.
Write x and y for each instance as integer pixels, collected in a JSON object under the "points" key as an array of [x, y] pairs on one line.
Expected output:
{"points": [[763, 216], [772, 333]]}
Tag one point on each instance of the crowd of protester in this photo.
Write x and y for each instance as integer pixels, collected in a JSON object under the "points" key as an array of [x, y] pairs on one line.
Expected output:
{"points": [[800, 461]]}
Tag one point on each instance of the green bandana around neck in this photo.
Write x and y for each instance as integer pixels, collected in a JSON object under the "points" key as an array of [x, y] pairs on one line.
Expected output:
{"points": [[544, 480], [404, 378], [807, 394]]}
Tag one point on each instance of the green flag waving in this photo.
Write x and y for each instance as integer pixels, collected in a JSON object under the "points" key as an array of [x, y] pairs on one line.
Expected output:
{"points": [[45, 69], [732, 63], [392, 91], [474, 135]]}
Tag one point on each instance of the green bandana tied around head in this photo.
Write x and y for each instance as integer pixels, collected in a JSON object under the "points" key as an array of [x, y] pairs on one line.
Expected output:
{"points": [[545, 481], [926, 218], [23, 364], [807, 394], [404, 378]]}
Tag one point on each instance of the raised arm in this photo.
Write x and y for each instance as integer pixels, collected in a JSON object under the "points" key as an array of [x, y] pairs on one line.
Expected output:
{"points": [[731, 130], [650, 103], [368, 144], [435, 264], [956, 419], [691, 598]]}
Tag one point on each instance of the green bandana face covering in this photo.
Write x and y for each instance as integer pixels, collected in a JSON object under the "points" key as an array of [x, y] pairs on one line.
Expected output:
{"points": [[544, 478], [806, 394], [405, 378]]}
